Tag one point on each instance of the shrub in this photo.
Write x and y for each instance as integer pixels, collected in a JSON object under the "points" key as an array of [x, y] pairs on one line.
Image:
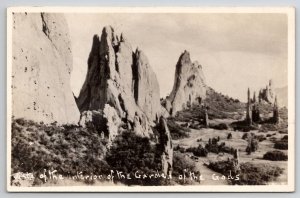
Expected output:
{"points": [[258, 174], [285, 137], [180, 149], [198, 151], [260, 138], [177, 131], [214, 147], [221, 126], [248, 174], [281, 144], [245, 136], [130, 153], [252, 146], [51, 146], [180, 163], [275, 156], [229, 136]]}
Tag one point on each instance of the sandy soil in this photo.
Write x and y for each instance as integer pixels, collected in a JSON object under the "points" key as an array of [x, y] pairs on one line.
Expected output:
{"points": [[201, 136]]}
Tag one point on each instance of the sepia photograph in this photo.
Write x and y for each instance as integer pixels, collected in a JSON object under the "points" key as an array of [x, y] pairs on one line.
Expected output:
{"points": [[150, 99]]}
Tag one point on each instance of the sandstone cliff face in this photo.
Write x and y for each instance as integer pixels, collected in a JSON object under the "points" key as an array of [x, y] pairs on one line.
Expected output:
{"points": [[123, 79], [189, 85], [41, 68]]}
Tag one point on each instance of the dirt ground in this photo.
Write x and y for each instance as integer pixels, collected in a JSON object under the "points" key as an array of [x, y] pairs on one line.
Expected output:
{"points": [[202, 136]]}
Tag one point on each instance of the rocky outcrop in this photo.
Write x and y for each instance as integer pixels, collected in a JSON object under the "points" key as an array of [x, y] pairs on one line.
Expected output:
{"points": [[189, 85], [123, 79], [165, 142], [106, 121], [267, 94], [41, 68]]}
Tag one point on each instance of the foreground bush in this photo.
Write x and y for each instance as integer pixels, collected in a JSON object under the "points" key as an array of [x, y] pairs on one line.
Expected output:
{"points": [[281, 144], [131, 153], [249, 174], [183, 163], [275, 156], [67, 149]]}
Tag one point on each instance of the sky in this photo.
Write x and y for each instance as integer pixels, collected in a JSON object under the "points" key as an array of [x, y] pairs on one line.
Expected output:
{"points": [[236, 51]]}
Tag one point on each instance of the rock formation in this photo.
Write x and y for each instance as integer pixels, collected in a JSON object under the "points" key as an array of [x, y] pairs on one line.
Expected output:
{"points": [[206, 121], [123, 79], [189, 85], [41, 68], [165, 142], [267, 94]]}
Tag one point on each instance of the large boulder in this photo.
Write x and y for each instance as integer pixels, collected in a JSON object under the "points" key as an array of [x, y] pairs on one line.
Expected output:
{"points": [[189, 85], [41, 68], [123, 79], [106, 121]]}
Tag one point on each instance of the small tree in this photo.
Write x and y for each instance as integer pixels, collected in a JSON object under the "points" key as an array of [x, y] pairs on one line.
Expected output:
{"points": [[229, 136]]}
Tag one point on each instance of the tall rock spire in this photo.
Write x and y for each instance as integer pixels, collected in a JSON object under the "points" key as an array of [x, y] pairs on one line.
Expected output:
{"points": [[189, 84], [123, 79]]}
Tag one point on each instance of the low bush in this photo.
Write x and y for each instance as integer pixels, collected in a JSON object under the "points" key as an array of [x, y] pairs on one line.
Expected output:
{"points": [[245, 136], [199, 151], [285, 137], [56, 147], [252, 145], [182, 163], [221, 126], [177, 131], [248, 173], [180, 149], [260, 138], [229, 136], [281, 144], [214, 147], [275, 156]]}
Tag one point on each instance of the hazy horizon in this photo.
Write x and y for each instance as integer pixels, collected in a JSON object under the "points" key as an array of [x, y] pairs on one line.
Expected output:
{"points": [[236, 51]]}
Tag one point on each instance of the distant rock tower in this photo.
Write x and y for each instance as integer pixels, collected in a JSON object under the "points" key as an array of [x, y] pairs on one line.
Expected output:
{"points": [[267, 94], [248, 113], [206, 121], [275, 111]]}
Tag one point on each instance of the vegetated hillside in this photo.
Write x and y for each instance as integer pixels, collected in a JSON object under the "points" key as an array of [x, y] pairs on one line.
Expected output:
{"points": [[67, 149], [71, 149], [219, 106]]}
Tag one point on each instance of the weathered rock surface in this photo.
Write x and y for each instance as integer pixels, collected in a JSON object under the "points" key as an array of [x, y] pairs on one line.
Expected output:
{"points": [[267, 94], [165, 141], [123, 79], [146, 87], [41, 68], [106, 121], [189, 85]]}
